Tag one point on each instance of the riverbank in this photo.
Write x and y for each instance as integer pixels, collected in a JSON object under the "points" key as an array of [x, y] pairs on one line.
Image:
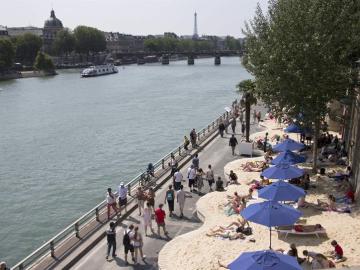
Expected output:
{"points": [[25, 74], [188, 251]]}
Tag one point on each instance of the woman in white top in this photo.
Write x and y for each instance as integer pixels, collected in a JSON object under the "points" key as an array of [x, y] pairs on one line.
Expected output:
{"points": [[147, 218], [137, 242]]}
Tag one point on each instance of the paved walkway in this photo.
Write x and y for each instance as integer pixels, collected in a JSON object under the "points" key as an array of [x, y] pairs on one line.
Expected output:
{"points": [[218, 154]]}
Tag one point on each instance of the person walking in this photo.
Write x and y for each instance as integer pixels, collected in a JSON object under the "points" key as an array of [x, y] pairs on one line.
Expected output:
{"points": [[196, 161], [233, 142], [180, 198], [170, 199], [258, 116], [241, 116], [233, 125], [111, 202], [199, 179], [128, 235], [254, 116], [221, 128], [266, 142], [178, 177], [137, 242], [140, 197], [193, 137], [150, 198], [243, 127], [210, 177], [111, 240], [160, 219], [191, 173], [226, 123], [148, 218], [122, 193]]}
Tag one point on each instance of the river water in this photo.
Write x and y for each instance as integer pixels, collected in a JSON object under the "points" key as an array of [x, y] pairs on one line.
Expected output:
{"points": [[64, 139]]}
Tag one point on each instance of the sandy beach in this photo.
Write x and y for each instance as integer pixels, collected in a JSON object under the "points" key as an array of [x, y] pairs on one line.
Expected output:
{"points": [[195, 250]]}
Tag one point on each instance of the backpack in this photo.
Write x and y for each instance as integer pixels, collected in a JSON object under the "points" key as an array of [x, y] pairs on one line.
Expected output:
{"points": [[169, 196], [126, 239]]}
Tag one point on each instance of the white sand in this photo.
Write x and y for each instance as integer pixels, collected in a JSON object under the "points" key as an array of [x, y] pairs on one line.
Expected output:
{"points": [[195, 250]]}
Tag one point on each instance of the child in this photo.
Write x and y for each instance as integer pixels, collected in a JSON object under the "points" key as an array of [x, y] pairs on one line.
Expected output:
{"points": [[338, 251]]}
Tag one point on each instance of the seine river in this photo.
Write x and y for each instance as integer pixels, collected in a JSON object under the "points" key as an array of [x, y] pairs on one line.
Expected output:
{"points": [[64, 139]]}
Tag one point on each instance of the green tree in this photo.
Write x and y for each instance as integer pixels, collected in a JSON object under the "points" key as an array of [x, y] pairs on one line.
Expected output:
{"points": [[185, 45], [27, 47], [7, 54], [247, 88], [89, 39], [232, 43], [301, 53], [43, 62], [64, 42]]}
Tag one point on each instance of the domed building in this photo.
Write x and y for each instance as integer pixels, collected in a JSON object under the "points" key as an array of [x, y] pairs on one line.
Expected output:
{"points": [[51, 27]]}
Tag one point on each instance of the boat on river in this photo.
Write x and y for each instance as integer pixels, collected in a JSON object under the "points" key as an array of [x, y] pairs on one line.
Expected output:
{"points": [[99, 70]]}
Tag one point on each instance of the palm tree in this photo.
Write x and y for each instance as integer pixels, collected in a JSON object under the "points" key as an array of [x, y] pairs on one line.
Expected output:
{"points": [[247, 89]]}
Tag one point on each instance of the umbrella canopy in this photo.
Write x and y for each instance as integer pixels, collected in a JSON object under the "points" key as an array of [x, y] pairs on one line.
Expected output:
{"points": [[281, 191], [271, 213], [288, 157], [264, 260], [282, 171], [288, 144], [293, 128]]}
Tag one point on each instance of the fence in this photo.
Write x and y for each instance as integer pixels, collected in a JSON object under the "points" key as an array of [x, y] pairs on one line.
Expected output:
{"points": [[73, 230]]}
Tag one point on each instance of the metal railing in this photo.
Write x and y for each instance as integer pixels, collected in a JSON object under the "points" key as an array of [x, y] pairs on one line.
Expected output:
{"points": [[73, 230]]}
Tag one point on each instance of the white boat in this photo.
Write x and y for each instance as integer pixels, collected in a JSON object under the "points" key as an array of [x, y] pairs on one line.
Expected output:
{"points": [[99, 70]]}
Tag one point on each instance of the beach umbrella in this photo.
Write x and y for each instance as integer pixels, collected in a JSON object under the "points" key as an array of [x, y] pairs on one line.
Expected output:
{"points": [[288, 144], [264, 260], [282, 171], [288, 157], [293, 128], [281, 191], [270, 214]]}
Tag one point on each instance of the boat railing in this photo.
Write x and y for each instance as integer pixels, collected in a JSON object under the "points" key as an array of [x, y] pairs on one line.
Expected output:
{"points": [[73, 230]]}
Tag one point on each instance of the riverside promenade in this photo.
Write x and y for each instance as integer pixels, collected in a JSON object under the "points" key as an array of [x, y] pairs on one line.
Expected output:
{"points": [[218, 154]]}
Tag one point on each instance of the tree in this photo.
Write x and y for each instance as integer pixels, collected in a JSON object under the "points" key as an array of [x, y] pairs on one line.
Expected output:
{"points": [[247, 88], [43, 62], [232, 44], [7, 54], [301, 53], [64, 42], [27, 47], [89, 39], [153, 44]]}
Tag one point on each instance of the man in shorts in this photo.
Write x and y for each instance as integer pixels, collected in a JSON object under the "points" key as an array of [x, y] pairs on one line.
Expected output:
{"points": [[160, 219], [127, 240], [122, 193]]}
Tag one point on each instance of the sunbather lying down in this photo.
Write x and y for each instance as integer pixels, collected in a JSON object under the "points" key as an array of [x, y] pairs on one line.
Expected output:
{"points": [[253, 166], [225, 233], [302, 228]]}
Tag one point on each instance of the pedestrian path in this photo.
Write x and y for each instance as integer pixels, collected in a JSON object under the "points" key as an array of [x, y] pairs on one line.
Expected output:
{"points": [[218, 154]]}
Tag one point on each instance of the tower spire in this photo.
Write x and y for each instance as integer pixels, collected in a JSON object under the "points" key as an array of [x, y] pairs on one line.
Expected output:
{"points": [[195, 35]]}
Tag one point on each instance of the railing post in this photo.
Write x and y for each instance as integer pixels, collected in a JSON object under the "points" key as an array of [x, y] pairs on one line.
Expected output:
{"points": [[208, 128], [213, 125], [77, 230], [163, 163], [179, 151], [52, 249], [129, 189], [97, 214]]}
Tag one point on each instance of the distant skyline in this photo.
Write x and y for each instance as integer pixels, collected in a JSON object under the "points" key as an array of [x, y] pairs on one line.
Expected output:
{"points": [[138, 17]]}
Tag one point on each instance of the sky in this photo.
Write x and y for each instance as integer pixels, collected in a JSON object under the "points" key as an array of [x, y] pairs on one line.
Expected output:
{"points": [[138, 17]]}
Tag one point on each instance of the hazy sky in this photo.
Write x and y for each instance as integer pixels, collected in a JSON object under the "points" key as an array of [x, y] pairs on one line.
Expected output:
{"points": [[215, 17]]}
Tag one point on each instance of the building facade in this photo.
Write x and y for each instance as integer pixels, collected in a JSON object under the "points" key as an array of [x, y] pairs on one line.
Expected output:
{"points": [[18, 31], [122, 43]]}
